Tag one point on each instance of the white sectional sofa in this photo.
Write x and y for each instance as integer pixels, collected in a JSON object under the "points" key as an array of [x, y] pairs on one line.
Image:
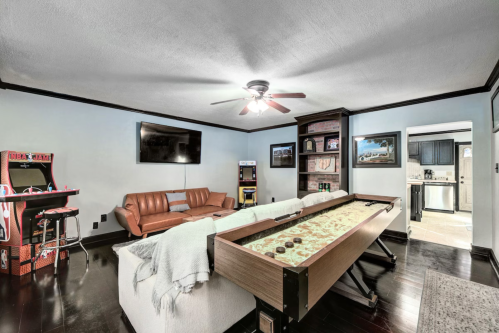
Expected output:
{"points": [[212, 307]]}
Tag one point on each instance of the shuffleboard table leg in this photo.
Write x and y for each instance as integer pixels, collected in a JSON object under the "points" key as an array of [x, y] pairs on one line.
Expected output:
{"points": [[269, 319], [362, 294], [387, 256]]}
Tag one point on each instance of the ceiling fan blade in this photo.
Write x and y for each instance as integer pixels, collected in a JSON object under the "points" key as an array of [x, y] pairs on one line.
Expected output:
{"points": [[252, 91], [245, 111], [231, 100], [277, 106], [291, 95]]}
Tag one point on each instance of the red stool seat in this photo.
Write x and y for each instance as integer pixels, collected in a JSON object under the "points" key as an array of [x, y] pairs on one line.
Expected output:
{"points": [[58, 213]]}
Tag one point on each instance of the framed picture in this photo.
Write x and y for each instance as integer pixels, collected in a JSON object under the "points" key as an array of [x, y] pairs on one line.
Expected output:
{"points": [[380, 150], [309, 145], [495, 111], [283, 155], [331, 143]]}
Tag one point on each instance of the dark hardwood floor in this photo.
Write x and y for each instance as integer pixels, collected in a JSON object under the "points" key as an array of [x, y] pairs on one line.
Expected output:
{"points": [[79, 301]]}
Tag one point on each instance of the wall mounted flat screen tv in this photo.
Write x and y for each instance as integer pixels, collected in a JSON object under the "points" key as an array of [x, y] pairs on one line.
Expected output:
{"points": [[167, 144]]}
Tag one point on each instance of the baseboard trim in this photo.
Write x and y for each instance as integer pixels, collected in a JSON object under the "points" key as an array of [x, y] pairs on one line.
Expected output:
{"points": [[480, 251], [494, 262], [105, 237], [396, 234]]}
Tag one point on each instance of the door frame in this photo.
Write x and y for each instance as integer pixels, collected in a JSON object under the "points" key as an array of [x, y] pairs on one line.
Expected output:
{"points": [[456, 169]]}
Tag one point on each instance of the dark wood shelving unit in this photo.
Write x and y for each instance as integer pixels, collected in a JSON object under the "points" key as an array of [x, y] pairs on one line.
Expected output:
{"points": [[340, 177], [319, 173], [321, 153], [318, 133]]}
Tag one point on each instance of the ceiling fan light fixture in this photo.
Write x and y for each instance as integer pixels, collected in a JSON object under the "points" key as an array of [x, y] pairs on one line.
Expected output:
{"points": [[257, 106]]}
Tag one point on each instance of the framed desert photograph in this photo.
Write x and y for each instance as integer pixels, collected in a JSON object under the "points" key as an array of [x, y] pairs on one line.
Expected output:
{"points": [[283, 155], [380, 150]]}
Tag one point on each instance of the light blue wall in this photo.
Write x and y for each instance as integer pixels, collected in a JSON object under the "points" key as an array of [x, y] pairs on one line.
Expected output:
{"points": [[96, 150], [275, 182], [392, 182]]}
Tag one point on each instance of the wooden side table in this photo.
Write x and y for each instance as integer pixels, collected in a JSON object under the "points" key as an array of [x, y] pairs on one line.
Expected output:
{"points": [[224, 213]]}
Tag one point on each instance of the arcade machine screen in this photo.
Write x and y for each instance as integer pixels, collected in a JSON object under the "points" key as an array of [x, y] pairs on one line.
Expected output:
{"points": [[248, 173], [24, 178]]}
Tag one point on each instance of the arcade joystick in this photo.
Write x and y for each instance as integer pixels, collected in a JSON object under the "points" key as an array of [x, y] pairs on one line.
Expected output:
{"points": [[65, 187]]}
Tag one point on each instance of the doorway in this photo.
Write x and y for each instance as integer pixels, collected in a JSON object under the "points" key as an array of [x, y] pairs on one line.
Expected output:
{"points": [[440, 179]]}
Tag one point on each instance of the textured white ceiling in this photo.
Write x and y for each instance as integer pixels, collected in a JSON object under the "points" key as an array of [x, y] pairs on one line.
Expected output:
{"points": [[176, 57]]}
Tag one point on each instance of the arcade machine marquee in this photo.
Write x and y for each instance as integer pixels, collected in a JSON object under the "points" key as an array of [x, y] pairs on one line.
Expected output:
{"points": [[27, 189]]}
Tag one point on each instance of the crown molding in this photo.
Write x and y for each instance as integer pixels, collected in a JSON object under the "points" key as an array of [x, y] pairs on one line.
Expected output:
{"points": [[72, 98], [272, 127], [494, 76]]}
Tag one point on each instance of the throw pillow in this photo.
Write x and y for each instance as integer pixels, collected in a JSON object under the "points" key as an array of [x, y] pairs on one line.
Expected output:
{"points": [[215, 199], [177, 202]]}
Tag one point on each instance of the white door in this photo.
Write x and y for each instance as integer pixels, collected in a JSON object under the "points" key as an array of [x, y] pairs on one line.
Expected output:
{"points": [[465, 178]]}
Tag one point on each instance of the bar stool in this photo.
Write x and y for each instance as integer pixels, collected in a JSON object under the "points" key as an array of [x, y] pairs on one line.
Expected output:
{"points": [[245, 193], [58, 214]]}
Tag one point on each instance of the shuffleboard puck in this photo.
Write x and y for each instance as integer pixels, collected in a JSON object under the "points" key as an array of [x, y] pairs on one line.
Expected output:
{"points": [[297, 240], [280, 249], [289, 245], [270, 254]]}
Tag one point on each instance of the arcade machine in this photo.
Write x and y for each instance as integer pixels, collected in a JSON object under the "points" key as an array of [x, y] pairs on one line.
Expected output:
{"points": [[27, 190], [247, 184]]}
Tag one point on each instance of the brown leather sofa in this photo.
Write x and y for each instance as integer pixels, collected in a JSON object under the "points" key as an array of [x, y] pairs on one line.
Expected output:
{"points": [[149, 212]]}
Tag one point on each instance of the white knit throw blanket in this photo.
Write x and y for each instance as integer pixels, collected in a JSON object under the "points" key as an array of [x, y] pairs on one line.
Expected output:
{"points": [[180, 260]]}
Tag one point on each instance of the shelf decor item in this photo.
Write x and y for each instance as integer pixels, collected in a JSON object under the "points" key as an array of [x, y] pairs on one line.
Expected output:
{"points": [[380, 150], [323, 126], [309, 145], [331, 143], [283, 155], [495, 111]]}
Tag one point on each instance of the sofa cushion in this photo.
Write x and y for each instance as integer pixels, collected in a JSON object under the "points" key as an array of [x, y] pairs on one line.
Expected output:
{"points": [[274, 210], [160, 221], [202, 210], [196, 197], [235, 220], [150, 202], [216, 199], [177, 202]]}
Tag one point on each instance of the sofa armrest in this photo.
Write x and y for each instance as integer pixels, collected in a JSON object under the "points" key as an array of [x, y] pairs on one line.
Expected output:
{"points": [[229, 203], [126, 220]]}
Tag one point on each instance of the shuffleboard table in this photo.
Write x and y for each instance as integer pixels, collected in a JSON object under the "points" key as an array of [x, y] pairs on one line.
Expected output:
{"points": [[290, 262]]}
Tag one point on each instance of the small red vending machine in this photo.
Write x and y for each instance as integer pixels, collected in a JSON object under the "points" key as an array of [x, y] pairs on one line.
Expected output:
{"points": [[247, 185], [27, 190]]}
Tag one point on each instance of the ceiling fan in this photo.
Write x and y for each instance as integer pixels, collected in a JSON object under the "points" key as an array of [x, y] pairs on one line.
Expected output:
{"points": [[261, 102]]}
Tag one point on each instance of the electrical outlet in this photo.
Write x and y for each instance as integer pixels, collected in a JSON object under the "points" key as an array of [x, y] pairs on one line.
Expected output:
{"points": [[273, 199], [95, 225], [103, 218]]}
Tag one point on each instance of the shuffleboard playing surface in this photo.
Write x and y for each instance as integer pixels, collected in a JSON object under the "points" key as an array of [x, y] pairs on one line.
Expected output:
{"points": [[316, 233]]}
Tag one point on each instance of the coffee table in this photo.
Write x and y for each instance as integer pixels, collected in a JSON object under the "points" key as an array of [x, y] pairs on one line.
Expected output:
{"points": [[224, 213]]}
